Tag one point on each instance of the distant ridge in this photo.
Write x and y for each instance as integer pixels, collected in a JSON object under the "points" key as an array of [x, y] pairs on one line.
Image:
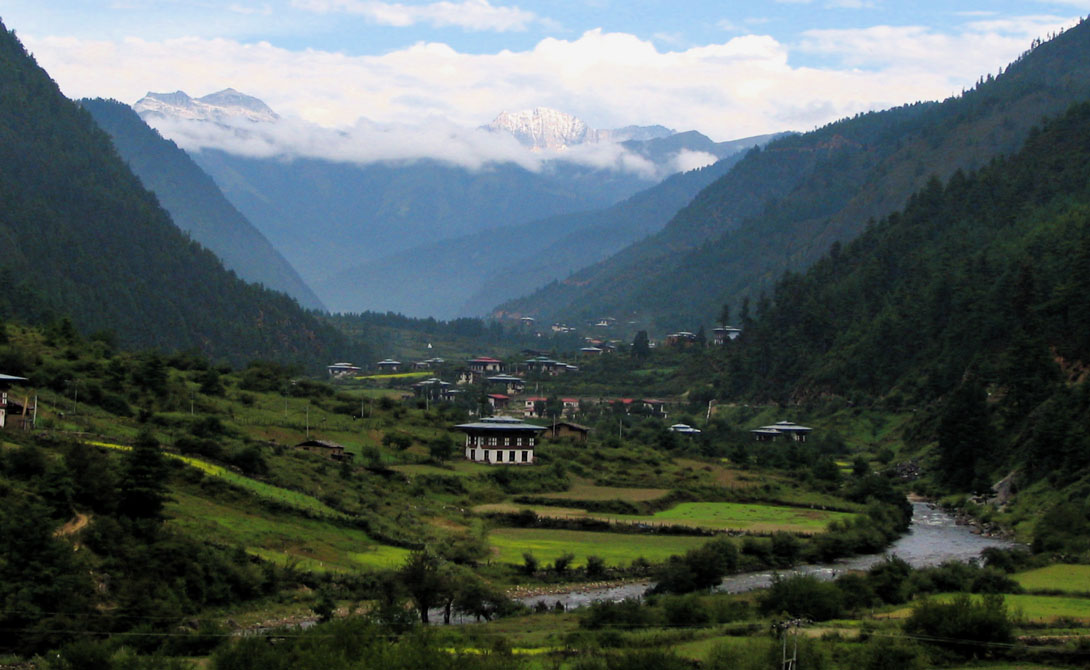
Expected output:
{"points": [[781, 208], [82, 237], [195, 203]]}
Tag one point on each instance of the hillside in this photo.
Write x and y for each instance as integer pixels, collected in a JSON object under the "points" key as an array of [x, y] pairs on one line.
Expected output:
{"points": [[83, 238], [194, 202], [783, 207], [432, 279], [969, 305]]}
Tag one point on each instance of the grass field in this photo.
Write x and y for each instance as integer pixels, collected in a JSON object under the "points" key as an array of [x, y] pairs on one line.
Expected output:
{"points": [[281, 538], [258, 488], [455, 469], [1032, 609], [710, 515], [585, 490], [1060, 578], [508, 545]]}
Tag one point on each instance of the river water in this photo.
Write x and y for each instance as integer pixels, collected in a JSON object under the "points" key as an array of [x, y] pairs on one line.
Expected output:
{"points": [[934, 537]]}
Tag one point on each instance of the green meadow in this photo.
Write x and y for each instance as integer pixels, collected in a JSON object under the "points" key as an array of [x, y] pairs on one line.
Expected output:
{"points": [[1060, 578], [509, 544], [755, 518], [311, 544]]}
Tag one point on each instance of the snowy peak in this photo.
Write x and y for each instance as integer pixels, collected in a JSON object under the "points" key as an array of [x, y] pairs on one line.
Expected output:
{"points": [[542, 128], [220, 106]]}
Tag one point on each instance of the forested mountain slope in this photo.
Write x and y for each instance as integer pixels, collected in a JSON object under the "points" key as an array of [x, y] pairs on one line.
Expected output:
{"points": [[82, 237], [195, 203], [468, 275], [970, 304], [781, 208]]}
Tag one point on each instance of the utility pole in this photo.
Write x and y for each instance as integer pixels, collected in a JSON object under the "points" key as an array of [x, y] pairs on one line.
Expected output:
{"points": [[782, 627]]}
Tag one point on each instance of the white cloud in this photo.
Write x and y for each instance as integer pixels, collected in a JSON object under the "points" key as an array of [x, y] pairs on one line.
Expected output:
{"points": [[687, 160], [479, 15], [744, 86]]}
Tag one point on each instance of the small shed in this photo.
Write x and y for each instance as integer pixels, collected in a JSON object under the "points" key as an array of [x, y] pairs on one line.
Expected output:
{"points": [[330, 450], [568, 430]]}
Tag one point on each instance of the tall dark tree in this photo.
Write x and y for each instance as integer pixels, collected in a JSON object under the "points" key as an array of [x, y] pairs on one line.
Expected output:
{"points": [[641, 345], [965, 436], [144, 483]]}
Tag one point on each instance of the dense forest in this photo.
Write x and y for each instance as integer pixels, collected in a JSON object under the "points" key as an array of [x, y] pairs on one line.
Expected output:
{"points": [[83, 238], [971, 303]]}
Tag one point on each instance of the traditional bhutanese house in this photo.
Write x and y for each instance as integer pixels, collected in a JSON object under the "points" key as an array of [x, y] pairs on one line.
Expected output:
{"points": [[724, 334], [342, 369], [429, 364], [532, 405], [483, 365], [527, 322], [590, 351], [389, 365], [511, 384], [682, 338], [545, 365], [562, 430], [626, 403], [655, 406], [433, 389], [330, 450], [498, 400], [791, 431], [500, 439], [13, 413], [570, 406]]}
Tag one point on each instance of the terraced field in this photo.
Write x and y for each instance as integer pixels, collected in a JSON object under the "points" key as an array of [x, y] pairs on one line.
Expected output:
{"points": [[508, 545], [755, 518], [281, 538]]}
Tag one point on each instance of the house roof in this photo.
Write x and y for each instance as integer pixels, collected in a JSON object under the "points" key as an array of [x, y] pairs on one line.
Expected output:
{"points": [[573, 426], [504, 378], [11, 378], [485, 359], [684, 428], [782, 427], [499, 396], [499, 424], [536, 398], [326, 444], [389, 361]]}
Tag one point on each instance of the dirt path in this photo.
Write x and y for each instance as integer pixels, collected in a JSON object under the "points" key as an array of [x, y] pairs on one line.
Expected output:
{"points": [[74, 525]]}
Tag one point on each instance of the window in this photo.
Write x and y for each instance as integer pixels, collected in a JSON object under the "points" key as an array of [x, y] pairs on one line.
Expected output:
{"points": [[525, 456], [510, 457], [499, 457]]}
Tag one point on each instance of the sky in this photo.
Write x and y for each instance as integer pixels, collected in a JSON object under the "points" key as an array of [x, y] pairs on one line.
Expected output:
{"points": [[726, 69]]}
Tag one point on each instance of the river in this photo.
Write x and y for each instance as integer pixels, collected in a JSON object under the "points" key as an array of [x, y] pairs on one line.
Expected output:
{"points": [[933, 537]]}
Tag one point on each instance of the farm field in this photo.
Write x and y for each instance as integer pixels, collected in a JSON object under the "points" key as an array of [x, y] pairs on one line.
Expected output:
{"points": [[585, 490], [1061, 578], [258, 488], [615, 548], [1030, 608], [750, 517], [312, 544]]}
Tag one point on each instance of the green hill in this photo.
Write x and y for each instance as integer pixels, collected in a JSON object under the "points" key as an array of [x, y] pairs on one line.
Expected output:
{"points": [[782, 208], [195, 203], [83, 238], [970, 304]]}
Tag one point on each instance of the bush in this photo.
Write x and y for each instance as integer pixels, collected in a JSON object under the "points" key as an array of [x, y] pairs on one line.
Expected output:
{"points": [[959, 624], [803, 596]]}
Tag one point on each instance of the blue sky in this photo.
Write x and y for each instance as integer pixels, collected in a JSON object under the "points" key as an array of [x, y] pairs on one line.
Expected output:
{"points": [[727, 69]]}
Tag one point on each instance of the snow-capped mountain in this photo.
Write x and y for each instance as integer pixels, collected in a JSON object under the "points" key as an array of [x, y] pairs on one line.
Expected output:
{"points": [[220, 106], [542, 128]]}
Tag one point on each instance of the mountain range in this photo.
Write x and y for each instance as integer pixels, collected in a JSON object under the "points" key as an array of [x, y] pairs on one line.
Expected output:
{"points": [[388, 234], [781, 208], [83, 238]]}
